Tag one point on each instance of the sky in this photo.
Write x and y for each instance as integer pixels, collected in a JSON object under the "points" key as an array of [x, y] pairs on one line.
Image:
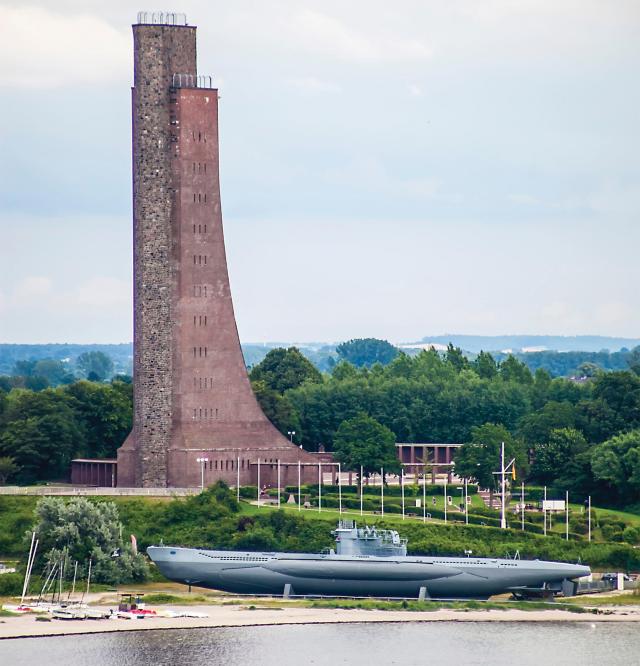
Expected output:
{"points": [[388, 169]]}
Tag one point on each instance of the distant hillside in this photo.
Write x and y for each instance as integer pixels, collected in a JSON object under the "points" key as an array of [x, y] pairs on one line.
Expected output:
{"points": [[122, 354], [517, 343]]}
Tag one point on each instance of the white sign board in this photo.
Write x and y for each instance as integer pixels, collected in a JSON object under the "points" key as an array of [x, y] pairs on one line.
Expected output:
{"points": [[553, 505]]}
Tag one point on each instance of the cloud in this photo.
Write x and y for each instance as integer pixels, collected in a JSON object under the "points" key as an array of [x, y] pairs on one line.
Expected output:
{"points": [[311, 85], [41, 48], [101, 292], [332, 37], [30, 289]]}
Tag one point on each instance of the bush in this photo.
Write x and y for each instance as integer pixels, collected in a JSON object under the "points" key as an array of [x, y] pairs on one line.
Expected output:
{"points": [[11, 584]]}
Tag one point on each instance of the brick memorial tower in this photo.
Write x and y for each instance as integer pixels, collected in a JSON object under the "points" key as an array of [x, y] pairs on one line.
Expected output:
{"points": [[192, 396]]}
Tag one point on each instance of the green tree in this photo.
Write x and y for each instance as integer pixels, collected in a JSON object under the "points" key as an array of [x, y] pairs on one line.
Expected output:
{"points": [[8, 468], [41, 433], [88, 530], [95, 365], [55, 372], [616, 463], [478, 459], [552, 458], [363, 441], [513, 370], [485, 365], [105, 412], [535, 428], [633, 360], [365, 352], [455, 357], [278, 409], [284, 369], [344, 370]]}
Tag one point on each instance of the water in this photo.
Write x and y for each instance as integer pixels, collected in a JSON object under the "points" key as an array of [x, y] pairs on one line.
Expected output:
{"points": [[496, 644]]}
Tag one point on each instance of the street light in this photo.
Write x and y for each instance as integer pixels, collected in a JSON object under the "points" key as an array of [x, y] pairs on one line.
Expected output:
{"points": [[291, 433], [203, 462]]}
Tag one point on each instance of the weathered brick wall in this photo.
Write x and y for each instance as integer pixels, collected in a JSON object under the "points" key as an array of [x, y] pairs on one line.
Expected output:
{"points": [[159, 52], [192, 395]]}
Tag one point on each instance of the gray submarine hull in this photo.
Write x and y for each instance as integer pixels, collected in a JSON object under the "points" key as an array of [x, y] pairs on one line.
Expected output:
{"points": [[362, 576]]}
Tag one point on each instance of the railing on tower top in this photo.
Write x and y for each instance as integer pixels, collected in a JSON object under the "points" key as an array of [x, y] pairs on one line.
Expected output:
{"points": [[192, 81], [162, 18]]}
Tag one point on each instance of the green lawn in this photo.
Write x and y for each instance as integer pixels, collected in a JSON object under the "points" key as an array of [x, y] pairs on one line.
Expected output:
{"points": [[333, 515]]}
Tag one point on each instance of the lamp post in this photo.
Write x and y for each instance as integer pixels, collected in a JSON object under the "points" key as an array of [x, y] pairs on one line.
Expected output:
{"points": [[238, 479], [446, 501], [466, 502], [278, 467], [203, 462], [291, 433]]}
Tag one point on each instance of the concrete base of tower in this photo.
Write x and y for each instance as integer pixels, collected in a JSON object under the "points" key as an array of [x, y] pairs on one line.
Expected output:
{"points": [[127, 463], [190, 467]]}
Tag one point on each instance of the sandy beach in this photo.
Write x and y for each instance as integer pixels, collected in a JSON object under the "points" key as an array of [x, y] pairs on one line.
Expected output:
{"points": [[241, 615]]}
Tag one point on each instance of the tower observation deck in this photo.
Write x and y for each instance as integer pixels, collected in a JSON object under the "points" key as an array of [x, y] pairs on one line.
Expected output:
{"points": [[192, 395]]}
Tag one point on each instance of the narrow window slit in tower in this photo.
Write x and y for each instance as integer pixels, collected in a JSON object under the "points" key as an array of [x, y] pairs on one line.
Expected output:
{"points": [[205, 198], [194, 197], [199, 198], [194, 228], [205, 228], [205, 259]]}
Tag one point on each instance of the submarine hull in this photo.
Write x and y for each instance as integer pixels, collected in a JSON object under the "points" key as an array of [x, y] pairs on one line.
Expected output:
{"points": [[338, 575]]}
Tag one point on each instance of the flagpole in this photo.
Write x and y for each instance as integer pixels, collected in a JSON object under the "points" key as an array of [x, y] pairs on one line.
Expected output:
{"points": [[503, 518], [319, 487], [238, 480], [382, 489], [340, 488], [258, 482], [361, 488], [424, 496], [446, 501], [299, 488], [402, 489]]}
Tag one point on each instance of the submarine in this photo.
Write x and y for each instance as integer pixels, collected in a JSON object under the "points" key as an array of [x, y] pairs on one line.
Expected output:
{"points": [[366, 562]]}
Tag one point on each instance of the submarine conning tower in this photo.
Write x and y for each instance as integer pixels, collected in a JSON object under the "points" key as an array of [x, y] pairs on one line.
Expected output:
{"points": [[368, 541]]}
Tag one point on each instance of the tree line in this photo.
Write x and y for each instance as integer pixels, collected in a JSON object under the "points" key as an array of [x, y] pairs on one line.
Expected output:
{"points": [[582, 436]]}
